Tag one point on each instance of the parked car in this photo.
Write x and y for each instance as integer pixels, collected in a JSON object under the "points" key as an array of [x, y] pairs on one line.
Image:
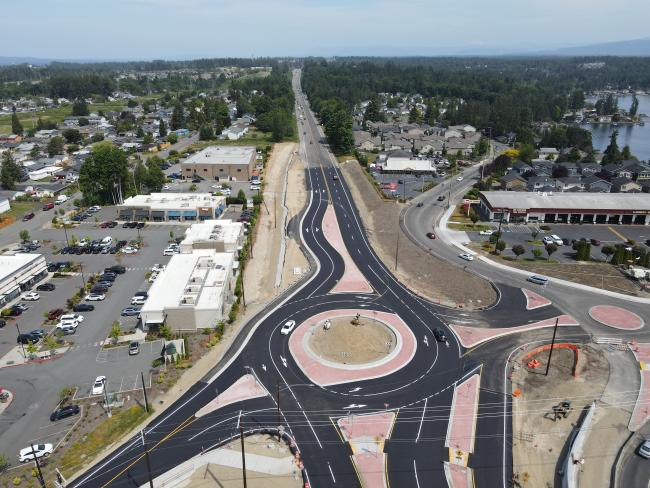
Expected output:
{"points": [[138, 300], [27, 339], [140, 225], [31, 296], [466, 257], [557, 240], [644, 449], [55, 314], [95, 297], [40, 333], [28, 216], [441, 198], [439, 334], [129, 250], [64, 412], [117, 269], [99, 289], [130, 311], [98, 386], [170, 251], [46, 287], [134, 348], [141, 293], [594, 242], [486, 232], [35, 452], [73, 316], [105, 283], [287, 327], [48, 206], [83, 307]]}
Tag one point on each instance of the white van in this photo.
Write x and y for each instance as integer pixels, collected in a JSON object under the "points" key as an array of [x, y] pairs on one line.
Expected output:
{"points": [[107, 241], [61, 199]]}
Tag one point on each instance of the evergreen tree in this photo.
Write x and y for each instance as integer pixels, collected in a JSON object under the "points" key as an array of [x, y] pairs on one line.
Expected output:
{"points": [[178, 117], [55, 146], [415, 116], [162, 128], [206, 133], [9, 171], [432, 112], [634, 108], [80, 108], [16, 126], [104, 176], [612, 153], [373, 111], [626, 153]]}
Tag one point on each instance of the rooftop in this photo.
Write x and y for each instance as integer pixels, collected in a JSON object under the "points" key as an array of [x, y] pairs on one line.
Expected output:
{"points": [[220, 230], [223, 155], [174, 200], [585, 201], [10, 264]]}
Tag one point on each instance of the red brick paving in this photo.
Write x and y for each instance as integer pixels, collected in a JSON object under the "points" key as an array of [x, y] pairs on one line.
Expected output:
{"points": [[616, 317], [245, 388], [641, 411], [462, 421], [459, 476], [534, 300]]}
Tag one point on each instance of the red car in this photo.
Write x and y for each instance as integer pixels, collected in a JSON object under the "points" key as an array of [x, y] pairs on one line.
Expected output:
{"points": [[28, 216], [48, 206]]}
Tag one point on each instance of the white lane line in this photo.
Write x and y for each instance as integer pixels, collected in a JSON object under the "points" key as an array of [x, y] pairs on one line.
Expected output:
{"points": [[331, 472], [415, 471], [421, 421]]}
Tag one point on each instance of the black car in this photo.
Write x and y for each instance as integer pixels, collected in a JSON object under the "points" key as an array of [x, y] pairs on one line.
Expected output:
{"points": [[125, 225], [12, 312], [117, 269], [647, 242], [196, 180], [441, 198], [439, 334], [113, 249], [140, 225], [107, 277], [27, 339], [2, 324], [111, 224], [64, 412], [121, 244], [99, 289], [83, 307], [133, 225], [45, 287]]}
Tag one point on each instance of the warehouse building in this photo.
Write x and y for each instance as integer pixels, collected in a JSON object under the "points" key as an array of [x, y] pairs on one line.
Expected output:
{"points": [[221, 163], [164, 207], [19, 273], [573, 208]]}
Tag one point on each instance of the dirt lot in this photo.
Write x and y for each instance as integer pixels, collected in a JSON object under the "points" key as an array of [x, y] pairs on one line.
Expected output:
{"points": [[353, 344], [538, 441], [421, 272], [217, 476]]}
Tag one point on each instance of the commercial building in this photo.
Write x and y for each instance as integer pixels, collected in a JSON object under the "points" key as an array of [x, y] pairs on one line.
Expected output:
{"points": [[407, 165], [220, 163], [219, 235], [163, 207], [550, 207], [193, 292], [19, 273]]}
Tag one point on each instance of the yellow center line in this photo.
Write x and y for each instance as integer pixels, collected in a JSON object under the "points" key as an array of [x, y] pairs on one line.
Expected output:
{"points": [[617, 234]]}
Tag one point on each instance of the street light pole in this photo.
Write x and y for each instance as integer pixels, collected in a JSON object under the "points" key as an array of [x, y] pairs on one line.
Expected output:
{"points": [[41, 480], [21, 342], [550, 352]]}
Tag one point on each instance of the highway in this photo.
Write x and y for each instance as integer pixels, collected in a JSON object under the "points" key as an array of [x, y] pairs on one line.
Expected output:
{"points": [[420, 393]]}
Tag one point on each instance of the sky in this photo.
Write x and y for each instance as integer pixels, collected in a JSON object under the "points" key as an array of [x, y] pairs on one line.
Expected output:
{"points": [[183, 29]]}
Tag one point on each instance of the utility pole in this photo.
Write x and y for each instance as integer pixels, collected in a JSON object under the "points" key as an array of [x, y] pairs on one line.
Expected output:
{"points": [[21, 342], [83, 278], [243, 297], [243, 450], [146, 455], [144, 391], [550, 353], [277, 385], [41, 480], [65, 231], [496, 244], [108, 406]]}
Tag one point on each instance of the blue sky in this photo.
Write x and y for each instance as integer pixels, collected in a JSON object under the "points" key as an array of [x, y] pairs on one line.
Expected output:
{"points": [[179, 29]]}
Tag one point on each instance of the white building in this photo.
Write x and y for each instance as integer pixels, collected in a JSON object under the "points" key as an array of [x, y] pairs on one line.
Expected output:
{"points": [[19, 273], [162, 207], [193, 292], [399, 164], [4, 205], [220, 235]]}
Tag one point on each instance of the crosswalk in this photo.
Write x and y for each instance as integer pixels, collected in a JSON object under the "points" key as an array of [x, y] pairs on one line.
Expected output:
{"points": [[516, 228], [86, 346]]}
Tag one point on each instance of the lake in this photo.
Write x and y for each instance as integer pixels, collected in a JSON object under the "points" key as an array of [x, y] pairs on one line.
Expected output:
{"points": [[635, 136]]}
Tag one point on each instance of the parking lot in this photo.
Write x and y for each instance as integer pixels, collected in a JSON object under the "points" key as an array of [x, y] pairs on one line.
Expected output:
{"points": [[514, 234], [405, 185]]}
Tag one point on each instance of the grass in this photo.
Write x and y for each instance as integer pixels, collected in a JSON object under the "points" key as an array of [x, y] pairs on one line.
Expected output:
{"points": [[253, 138], [18, 209], [345, 157], [107, 432], [470, 227]]}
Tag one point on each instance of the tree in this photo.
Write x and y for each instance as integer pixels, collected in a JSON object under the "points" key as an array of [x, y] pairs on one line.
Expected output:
{"points": [[583, 251], [527, 152], [172, 138], [626, 153], [373, 111], [518, 250], [634, 108], [104, 177], [474, 217], [72, 136], [9, 171], [83, 121], [132, 103], [241, 197], [415, 116], [537, 253], [55, 146], [612, 154], [206, 133], [577, 99], [534, 234], [608, 250], [148, 138], [35, 151], [550, 249], [80, 108], [139, 176], [178, 117], [155, 177], [116, 330], [500, 246], [24, 235], [162, 128], [16, 126]]}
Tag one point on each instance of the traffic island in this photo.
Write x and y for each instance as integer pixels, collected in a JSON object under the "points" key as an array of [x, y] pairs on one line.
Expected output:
{"points": [[337, 370], [616, 317]]}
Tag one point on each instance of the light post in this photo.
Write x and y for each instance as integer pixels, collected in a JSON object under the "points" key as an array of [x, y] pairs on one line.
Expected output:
{"points": [[21, 342]]}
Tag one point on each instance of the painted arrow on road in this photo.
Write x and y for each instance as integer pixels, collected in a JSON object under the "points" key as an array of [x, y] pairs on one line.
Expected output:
{"points": [[354, 390], [354, 405], [284, 361]]}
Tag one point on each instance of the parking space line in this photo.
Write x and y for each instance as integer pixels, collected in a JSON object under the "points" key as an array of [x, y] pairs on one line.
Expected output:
{"points": [[617, 234]]}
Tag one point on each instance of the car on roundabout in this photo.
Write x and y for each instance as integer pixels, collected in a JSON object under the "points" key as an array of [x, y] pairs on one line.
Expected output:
{"points": [[431, 235], [466, 257], [439, 334], [288, 326]]}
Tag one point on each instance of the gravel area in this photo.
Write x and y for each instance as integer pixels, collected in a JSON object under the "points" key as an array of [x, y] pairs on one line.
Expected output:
{"points": [[427, 275], [344, 342]]}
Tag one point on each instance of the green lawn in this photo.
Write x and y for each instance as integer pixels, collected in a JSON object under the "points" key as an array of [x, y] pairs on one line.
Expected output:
{"points": [[18, 209], [253, 138]]}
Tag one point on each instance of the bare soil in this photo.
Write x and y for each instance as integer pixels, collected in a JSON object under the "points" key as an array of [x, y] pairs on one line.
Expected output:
{"points": [[538, 441], [353, 344], [423, 273], [217, 476]]}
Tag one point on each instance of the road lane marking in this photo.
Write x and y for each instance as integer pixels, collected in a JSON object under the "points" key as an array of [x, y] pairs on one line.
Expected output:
{"points": [[415, 471], [617, 234], [331, 472], [421, 422]]}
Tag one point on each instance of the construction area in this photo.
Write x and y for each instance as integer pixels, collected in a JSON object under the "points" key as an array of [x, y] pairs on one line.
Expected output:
{"points": [[549, 409]]}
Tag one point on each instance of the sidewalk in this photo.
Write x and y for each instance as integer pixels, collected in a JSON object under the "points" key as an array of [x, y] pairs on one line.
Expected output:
{"points": [[15, 356]]}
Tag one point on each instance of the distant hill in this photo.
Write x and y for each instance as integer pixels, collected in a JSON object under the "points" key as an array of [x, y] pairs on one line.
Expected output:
{"points": [[9, 60], [635, 47]]}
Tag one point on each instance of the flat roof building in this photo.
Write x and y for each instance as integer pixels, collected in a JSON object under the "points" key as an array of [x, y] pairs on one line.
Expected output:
{"points": [[399, 164], [193, 292], [221, 163], [550, 207], [220, 235], [19, 273], [162, 207]]}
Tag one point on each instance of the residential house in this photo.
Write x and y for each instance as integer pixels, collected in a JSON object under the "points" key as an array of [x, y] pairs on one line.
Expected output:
{"points": [[10, 138], [571, 168], [622, 184], [549, 153], [588, 169], [429, 146], [521, 168], [456, 145], [513, 181], [540, 183], [542, 167], [451, 133], [366, 141], [393, 143], [640, 172], [570, 183], [594, 184]]}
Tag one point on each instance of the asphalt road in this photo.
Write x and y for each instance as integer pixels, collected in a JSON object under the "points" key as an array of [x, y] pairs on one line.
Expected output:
{"points": [[421, 391]]}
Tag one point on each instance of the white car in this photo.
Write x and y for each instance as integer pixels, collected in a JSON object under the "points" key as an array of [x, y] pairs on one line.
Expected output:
{"points": [[72, 316], [157, 268], [153, 277], [217, 187], [460, 178], [95, 297], [226, 191], [170, 251], [548, 240], [67, 324], [39, 451], [129, 250], [99, 385], [255, 187], [32, 296], [466, 257], [487, 232], [287, 327], [138, 300], [557, 239], [166, 187]]}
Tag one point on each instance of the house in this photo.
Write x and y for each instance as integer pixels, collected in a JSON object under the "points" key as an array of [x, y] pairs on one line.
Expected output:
{"points": [[542, 167], [540, 183], [616, 170], [549, 153], [622, 184], [571, 168], [10, 138], [513, 181], [429, 146], [570, 183], [234, 132], [392, 143], [451, 133], [366, 141], [456, 145], [521, 168], [588, 169], [594, 184], [640, 172]]}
